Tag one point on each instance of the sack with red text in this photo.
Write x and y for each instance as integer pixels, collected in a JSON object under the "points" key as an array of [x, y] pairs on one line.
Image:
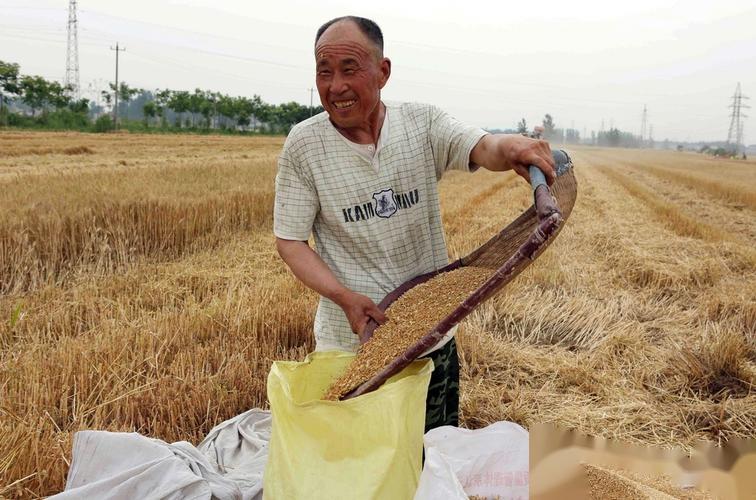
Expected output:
{"points": [[486, 463]]}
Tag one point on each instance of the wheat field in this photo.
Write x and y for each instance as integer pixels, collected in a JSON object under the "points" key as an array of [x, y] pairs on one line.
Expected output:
{"points": [[140, 291]]}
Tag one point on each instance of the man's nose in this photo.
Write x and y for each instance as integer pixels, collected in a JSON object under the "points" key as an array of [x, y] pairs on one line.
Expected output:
{"points": [[338, 84]]}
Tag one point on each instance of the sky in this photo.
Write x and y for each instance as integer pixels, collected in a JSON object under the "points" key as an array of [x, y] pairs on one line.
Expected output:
{"points": [[489, 64]]}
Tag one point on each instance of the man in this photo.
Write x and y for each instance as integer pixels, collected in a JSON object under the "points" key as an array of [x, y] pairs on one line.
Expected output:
{"points": [[362, 178]]}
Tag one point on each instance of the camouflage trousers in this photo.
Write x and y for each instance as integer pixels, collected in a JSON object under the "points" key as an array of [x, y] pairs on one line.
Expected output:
{"points": [[442, 403]]}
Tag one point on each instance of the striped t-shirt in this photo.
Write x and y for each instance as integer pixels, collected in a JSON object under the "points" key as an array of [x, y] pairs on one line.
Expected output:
{"points": [[376, 222]]}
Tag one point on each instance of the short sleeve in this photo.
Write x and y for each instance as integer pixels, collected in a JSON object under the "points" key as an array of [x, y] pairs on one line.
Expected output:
{"points": [[452, 142], [296, 203]]}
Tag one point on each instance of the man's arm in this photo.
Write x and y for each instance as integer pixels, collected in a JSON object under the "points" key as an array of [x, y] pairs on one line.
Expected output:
{"points": [[500, 152], [315, 274]]}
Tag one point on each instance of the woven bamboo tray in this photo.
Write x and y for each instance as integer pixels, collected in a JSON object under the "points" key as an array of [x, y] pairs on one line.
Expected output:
{"points": [[506, 255]]}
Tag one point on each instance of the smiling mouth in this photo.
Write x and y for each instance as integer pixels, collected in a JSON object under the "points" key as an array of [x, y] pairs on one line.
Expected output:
{"points": [[344, 104]]}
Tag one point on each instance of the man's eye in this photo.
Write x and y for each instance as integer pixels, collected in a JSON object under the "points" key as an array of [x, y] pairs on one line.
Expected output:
{"points": [[323, 72]]}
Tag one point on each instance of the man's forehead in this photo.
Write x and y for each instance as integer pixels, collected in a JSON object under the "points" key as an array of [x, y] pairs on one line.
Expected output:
{"points": [[342, 38], [340, 51]]}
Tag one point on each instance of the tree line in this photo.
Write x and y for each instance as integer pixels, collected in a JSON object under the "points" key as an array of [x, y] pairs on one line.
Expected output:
{"points": [[50, 105], [548, 130], [205, 109], [27, 100]]}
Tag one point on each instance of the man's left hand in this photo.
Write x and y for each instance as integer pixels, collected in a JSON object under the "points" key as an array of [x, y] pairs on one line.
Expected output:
{"points": [[499, 152]]}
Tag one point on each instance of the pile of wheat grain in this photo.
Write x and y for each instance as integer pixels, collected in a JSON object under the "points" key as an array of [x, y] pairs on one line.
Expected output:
{"points": [[610, 484], [409, 318]]}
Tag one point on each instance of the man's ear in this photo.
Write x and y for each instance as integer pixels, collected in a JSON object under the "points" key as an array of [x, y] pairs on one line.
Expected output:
{"points": [[385, 70]]}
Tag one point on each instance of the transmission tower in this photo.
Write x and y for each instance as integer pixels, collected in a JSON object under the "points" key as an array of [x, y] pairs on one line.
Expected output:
{"points": [[72, 53], [644, 122], [736, 119]]}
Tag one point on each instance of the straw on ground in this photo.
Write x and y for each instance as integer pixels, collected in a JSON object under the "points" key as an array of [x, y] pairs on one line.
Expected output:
{"points": [[144, 294]]}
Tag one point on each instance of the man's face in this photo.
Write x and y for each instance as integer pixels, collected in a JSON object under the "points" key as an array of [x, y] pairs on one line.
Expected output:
{"points": [[349, 74]]}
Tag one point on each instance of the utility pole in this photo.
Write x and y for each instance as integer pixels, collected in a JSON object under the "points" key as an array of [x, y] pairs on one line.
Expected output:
{"points": [[644, 121], [311, 92], [72, 54], [573, 132], [736, 119], [115, 108]]}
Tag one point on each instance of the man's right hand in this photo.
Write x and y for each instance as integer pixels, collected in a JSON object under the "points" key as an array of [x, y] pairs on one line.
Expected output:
{"points": [[313, 272], [359, 309]]}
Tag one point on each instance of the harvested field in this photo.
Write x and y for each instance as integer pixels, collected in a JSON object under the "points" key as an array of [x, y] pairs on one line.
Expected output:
{"points": [[140, 290]]}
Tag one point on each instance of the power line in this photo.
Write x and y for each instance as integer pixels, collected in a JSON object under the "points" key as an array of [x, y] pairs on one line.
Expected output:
{"points": [[163, 60], [34, 28], [26, 7], [58, 42], [219, 53], [462, 88], [163, 27], [561, 102], [309, 68]]}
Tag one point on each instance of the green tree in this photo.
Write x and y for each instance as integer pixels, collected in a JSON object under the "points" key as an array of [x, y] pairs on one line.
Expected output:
{"points": [[103, 123], [162, 98], [522, 127], [35, 92], [208, 107], [81, 106], [228, 109], [179, 103], [125, 95], [549, 129], [196, 100], [59, 95], [282, 117], [150, 110], [570, 135], [40, 94], [614, 137], [107, 97], [245, 109], [9, 84]]}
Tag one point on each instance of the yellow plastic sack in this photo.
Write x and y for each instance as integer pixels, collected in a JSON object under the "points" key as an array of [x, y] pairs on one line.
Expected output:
{"points": [[369, 447]]}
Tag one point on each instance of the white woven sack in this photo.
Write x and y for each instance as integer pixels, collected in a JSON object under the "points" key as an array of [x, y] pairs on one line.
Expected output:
{"points": [[490, 462]]}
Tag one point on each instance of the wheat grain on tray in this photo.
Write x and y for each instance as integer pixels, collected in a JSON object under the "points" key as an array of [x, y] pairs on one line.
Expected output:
{"points": [[409, 318]]}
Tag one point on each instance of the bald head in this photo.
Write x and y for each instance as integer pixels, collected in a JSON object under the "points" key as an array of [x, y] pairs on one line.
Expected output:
{"points": [[368, 28], [350, 72]]}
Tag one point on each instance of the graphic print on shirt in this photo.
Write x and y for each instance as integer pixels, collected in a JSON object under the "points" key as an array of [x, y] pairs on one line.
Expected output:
{"points": [[384, 204]]}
